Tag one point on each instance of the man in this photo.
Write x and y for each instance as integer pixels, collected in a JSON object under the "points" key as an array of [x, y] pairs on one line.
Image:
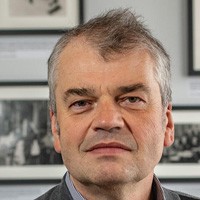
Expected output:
{"points": [[111, 112]]}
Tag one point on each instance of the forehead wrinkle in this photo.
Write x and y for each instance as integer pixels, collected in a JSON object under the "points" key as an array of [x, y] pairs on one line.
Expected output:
{"points": [[134, 87]]}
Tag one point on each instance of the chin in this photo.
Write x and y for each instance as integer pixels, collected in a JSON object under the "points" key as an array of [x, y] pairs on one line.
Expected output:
{"points": [[114, 176], [111, 180]]}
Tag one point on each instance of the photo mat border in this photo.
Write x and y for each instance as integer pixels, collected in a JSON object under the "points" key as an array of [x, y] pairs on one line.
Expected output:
{"points": [[186, 171], [192, 26], [78, 18]]}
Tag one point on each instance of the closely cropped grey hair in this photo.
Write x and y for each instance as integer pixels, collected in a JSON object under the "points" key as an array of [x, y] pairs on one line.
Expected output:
{"points": [[117, 31]]}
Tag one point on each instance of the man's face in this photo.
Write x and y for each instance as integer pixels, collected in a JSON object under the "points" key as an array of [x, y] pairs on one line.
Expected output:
{"points": [[112, 124]]}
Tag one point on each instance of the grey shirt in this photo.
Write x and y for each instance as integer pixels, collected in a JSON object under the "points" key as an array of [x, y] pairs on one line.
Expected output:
{"points": [[75, 194]]}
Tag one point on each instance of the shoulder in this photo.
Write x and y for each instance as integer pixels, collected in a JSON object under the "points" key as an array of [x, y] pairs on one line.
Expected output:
{"points": [[60, 192], [51, 194], [175, 195]]}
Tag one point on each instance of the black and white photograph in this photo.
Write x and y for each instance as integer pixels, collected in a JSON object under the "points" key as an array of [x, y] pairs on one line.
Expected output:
{"points": [[186, 147], [22, 8], [26, 143], [25, 135], [39, 15], [182, 159]]}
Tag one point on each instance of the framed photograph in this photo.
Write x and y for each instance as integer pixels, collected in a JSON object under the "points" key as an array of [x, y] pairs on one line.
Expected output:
{"points": [[29, 16], [25, 58], [42, 22], [194, 37], [182, 159], [26, 144]]}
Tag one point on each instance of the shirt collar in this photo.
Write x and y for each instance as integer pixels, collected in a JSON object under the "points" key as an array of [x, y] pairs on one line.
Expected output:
{"points": [[157, 190], [74, 193]]}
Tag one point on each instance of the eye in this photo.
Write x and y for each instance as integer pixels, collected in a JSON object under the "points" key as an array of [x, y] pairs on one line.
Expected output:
{"points": [[133, 99], [132, 102], [81, 105]]}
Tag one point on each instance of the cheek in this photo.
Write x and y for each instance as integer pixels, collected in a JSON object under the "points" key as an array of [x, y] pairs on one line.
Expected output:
{"points": [[72, 135], [148, 132], [150, 139], [73, 131]]}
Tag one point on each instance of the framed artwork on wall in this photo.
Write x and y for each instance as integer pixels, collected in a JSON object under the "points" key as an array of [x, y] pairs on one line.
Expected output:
{"points": [[194, 37], [29, 30], [44, 16], [26, 145], [23, 60], [182, 159]]}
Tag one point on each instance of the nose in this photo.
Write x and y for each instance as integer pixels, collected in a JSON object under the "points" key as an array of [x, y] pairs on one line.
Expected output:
{"points": [[108, 117]]}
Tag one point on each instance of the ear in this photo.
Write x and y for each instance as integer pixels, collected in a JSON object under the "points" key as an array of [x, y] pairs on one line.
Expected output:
{"points": [[169, 127], [55, 132]]}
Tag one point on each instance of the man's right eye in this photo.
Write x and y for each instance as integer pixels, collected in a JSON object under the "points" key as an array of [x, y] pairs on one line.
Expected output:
{"points": [[81, 105]]}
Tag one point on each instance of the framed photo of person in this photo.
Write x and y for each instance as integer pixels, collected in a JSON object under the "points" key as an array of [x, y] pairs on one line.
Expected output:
{"points": [[194, 37], [44, 16], [26, 144], [182, 159]]}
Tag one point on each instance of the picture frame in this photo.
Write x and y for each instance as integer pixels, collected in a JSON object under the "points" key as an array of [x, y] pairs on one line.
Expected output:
{"points": [[27, 40], [173, 167], [182, 159], [194, 37], [26, 145], [25, 59], [40, 17]]}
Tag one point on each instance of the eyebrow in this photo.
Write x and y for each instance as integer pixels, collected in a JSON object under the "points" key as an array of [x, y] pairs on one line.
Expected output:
{"points": [[91, 92], [78, 92], [134, 87]]}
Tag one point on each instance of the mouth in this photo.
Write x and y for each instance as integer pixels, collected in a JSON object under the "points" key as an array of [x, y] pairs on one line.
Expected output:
{"points": [[109, 148]]}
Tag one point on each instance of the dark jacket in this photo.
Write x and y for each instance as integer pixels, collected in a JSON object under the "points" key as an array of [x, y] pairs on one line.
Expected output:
{"points": [[61, 192]]}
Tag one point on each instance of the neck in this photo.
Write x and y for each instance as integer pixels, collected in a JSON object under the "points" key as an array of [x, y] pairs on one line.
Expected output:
{"points": [[131, 190]]}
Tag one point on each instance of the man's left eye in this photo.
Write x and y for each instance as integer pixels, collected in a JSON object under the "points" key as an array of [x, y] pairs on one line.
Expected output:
{"points": [[132, 102], [133, 99]]}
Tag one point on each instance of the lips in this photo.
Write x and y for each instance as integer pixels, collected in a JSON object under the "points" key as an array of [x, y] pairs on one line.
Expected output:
{"points": [[112, 147]]}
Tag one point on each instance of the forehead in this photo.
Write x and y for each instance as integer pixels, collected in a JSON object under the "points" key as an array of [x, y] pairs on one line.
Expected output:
{"points": [[81, 63]]}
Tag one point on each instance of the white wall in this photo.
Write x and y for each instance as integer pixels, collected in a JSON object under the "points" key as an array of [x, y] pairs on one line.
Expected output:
{"points": [[168, 20]]}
